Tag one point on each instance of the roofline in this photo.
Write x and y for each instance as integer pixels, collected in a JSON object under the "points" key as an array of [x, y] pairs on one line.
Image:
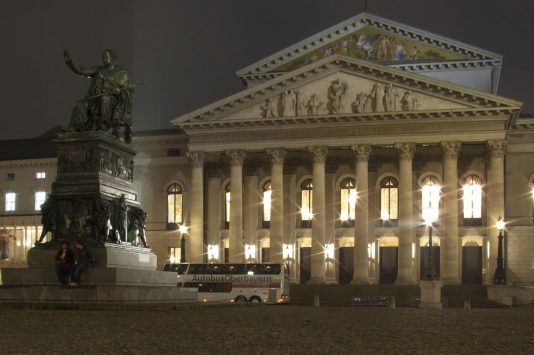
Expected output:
{"points": [[352, 22], [266, 86]]}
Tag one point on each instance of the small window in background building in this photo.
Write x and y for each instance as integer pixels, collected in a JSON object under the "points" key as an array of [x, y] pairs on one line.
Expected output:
{"points": [[40, 175], [174, 152], [10, 176], [11, 201], [40, 197]]}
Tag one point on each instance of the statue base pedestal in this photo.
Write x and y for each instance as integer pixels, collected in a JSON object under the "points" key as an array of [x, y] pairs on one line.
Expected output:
{"points": [[119, 274], [430, 294]]}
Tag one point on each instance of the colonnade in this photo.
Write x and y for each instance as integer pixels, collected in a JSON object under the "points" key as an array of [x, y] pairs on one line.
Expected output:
{"points": [[320, 236]]}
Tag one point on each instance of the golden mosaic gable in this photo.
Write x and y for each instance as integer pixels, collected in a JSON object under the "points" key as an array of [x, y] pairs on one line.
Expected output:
{"points": [[375, 45]]}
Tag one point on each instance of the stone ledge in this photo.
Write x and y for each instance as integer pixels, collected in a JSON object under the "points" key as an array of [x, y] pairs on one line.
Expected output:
{"points": [[97, 294]]}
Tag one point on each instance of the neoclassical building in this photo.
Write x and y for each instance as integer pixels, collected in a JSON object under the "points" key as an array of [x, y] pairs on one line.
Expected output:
{"points": [[340, 156]]}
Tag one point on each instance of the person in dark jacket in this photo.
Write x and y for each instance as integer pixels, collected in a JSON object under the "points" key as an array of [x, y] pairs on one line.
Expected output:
{"points": [[83, 260], [64, 262]]}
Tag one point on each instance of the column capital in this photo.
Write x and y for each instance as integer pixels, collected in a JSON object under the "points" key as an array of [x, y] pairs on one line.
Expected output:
{"points": [[361, 151], [278, 155], [319, 153], [451, 149], [197, 159], [236, 156], [406, 150], [497, 147]]}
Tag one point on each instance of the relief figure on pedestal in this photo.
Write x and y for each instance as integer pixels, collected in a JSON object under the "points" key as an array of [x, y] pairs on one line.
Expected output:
{"points": [[136, 226], [119, 216], [390, 96], [409, 101], [268, 109], [102, 215], [314, 105], [108, 103], [286, 104], [377, 93], [49, 217]]}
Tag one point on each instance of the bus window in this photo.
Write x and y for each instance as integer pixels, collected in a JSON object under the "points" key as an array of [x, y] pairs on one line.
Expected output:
{"points": [[214, 269], [215, 287], [235, 268], [181, 268], [197, 269], [271, 269]]}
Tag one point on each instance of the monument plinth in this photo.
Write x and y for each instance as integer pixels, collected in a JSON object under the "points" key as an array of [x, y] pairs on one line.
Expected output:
{"points": [[93, 199]]}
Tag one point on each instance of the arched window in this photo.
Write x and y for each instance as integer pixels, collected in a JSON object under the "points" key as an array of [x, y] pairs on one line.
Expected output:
{"points": [[430, 198], [306, 207], [348, 200], [267, 193], [389, 199], [227, 206], [174, 205], [472, 191]]}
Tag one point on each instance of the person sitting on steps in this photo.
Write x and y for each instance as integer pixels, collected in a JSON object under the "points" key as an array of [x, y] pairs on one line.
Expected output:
{"points": [[83, 260], [64, 261]]}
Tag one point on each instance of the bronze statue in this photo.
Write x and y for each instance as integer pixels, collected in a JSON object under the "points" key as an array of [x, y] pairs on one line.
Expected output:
{"points": [[120, 216], [108, 103], [137, 225], [102, 215]]}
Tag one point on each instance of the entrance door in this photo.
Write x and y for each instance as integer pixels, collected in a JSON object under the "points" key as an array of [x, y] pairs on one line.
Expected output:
{"points": [[388, 264], [305, 264], [472, 265], [423, 260], [346, 264], [265, 253]]}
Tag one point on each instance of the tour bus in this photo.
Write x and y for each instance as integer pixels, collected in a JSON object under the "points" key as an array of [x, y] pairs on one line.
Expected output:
{"points": [[268, 283]]}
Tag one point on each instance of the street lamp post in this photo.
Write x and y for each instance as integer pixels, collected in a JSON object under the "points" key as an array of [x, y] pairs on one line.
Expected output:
{"points": [[183, 230], [430, 270], [499, 278]]}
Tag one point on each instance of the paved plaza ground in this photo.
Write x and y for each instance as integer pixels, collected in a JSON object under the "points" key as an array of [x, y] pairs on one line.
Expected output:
{"points": [[268, 330]]}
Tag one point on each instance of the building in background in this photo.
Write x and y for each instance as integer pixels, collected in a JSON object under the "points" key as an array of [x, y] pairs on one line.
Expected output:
{"points": [[331, 160]]}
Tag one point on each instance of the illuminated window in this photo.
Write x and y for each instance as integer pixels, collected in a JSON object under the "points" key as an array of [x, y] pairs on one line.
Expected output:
{"points": [[389, 199], [40, 175], [472, 197], [227, 206], [267, 193], [11, 201], [348, 200], [174, 255], [40, 197], [430, 197], [306, 207], [174, 204]]}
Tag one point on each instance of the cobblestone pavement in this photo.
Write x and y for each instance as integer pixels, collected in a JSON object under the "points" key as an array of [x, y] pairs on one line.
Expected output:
{"points": [[268, 330]]}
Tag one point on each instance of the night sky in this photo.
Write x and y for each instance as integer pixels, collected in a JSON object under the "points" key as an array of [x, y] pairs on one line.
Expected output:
{"points": [[187, 51]]}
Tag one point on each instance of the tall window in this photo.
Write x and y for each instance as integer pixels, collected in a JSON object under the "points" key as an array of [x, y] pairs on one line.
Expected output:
{"points": [[11, 201], [472, 197], [227, 206], [348, 200], [40, 197], [40, 175], [430, 197], [389, 199], [306, 207], [267, 193], [174, 204]]}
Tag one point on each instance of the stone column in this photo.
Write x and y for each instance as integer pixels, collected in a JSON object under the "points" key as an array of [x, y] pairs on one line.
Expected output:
{"points": [[277, 204], [361, 227], [318, 224], [250, 213], [290, 223], [449, 217], [236, 247], [406, 221], [196, 230], [213, 212], [494, 200]]}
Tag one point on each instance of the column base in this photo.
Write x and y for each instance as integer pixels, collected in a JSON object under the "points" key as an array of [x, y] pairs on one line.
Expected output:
{"points": [[331, 281], [405, 281], [316, 281], [360, 281], [451, 281], [430, 294]]}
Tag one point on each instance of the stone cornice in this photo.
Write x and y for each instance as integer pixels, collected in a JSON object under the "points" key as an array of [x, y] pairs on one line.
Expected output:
{"points": [[28, 163], [212, 115]]}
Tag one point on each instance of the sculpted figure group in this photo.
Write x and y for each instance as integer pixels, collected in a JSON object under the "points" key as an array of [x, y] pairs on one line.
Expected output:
{"points": [[381, 98]]}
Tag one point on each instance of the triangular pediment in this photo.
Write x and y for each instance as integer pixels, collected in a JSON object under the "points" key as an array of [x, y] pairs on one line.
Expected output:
{"points": [[376, 39], [341, 86]]}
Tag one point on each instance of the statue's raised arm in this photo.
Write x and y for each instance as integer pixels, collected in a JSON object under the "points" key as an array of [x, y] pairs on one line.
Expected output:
{"points": [[88, 72], [108, 103]]}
